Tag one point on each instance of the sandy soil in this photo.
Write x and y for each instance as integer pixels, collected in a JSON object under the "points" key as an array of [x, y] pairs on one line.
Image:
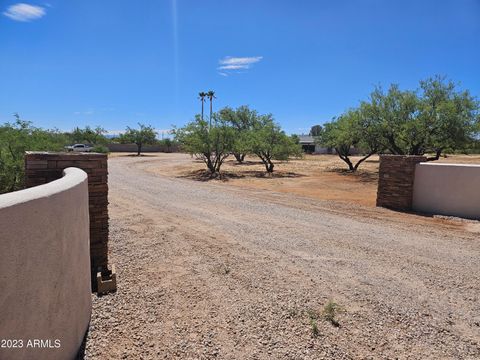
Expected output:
{"points": [[210, 270], [316, 176]]}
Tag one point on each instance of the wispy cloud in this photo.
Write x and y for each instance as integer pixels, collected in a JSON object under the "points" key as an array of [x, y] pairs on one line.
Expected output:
{"points": [[24, 12], [234, 64], [88, 112]]}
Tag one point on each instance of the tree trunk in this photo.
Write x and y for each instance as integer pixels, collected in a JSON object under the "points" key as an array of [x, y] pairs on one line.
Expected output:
{"points": [[202, 109], [268, 164], [438, 152], [346, 159], [266, 161], [416, 150], [362, 160], [394, 149], [210, 165], [239, 157], [270, 167], [139, 149], [219, 163]]}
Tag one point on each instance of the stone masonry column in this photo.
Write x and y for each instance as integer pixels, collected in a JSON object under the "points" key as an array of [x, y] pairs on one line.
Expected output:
{"points": [[43, 167], [395, 181]]}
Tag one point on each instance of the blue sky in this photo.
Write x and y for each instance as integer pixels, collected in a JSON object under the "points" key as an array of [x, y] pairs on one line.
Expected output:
{"points": [[116, 63]]}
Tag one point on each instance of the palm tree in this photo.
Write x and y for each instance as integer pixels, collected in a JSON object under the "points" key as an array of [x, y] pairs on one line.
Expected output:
{"points": [[211, 96], [201, 96]]}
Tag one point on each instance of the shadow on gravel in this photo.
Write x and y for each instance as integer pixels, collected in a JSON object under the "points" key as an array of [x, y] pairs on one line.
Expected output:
{"points": [[203, 175]]}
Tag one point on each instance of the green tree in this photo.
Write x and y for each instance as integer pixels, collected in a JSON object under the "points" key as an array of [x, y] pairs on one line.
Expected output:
{"points": [[433, 119], [353, 131], [15, 139], [211, 145], [267, 140], [242, 121], [88, 135], [145, 135], [448, 117], [316, 130], [167, 142]]}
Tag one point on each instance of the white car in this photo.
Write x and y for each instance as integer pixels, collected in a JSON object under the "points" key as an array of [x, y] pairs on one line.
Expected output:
{"points": [[78, 148]]}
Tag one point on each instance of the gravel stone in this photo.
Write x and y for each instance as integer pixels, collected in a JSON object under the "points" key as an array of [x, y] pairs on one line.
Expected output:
{"points": [[210, 271]]}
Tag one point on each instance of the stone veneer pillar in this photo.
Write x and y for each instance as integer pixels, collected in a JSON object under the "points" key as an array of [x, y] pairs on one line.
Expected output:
{"points": [[43, 167], [395, 181]]}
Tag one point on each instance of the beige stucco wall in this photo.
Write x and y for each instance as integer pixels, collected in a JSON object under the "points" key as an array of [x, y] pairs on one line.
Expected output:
{"points": [[447, 189], [45, 291]]}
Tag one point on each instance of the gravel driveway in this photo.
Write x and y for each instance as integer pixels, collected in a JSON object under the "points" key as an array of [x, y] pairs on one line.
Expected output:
{"points": [[207, 270]]}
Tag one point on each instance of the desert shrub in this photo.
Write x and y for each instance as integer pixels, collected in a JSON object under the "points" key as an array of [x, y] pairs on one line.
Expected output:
{"points": [[330, 311], [15, 139], [100, 149]]}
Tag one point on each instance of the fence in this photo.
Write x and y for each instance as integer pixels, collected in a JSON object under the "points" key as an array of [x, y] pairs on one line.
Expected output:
{"points": [[132, 148], [409, 183], [447, 189], [45, 268], [43, 167]]}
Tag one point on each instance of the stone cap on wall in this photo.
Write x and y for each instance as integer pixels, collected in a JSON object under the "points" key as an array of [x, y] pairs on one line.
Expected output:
{"points": [[71, 177], [65, 153], [450, 164], [403, 156]]}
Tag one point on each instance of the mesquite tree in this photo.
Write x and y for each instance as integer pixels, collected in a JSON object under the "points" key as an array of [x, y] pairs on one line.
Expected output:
{"points": [[350, 133], [433, 119], [95, 136], [267, 140], [430, 120], [145, 135], [212, 145], [242, 121], [316, 130]]}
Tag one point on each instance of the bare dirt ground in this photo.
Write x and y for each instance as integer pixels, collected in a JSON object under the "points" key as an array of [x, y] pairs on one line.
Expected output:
{"points": [[210, 270], [322, 177]]}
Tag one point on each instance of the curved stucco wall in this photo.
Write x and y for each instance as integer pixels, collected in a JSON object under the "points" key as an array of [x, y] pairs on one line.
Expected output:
{"points": [[45, 291], [447, 189]]}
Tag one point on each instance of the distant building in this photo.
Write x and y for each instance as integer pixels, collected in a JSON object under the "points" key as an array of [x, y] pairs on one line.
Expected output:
{"points": [[310, 147]]}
